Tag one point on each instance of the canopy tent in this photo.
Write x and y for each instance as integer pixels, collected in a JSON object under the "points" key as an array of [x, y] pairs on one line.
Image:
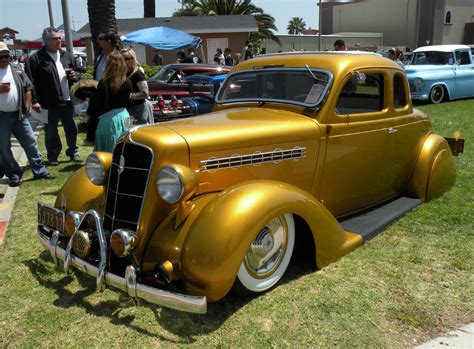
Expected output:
{"points": [[77, 41], [162, 38]]}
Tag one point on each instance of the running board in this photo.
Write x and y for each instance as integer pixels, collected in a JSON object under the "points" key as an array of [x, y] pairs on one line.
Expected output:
{"points": [[370, 223]]}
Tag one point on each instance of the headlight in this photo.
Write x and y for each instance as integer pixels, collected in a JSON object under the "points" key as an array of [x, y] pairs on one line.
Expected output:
{"points": [[122, 242], [419, 83], [175, 183], [95, 169]]}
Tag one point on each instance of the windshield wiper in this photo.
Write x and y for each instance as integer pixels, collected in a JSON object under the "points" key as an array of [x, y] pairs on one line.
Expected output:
{"points": [[314, 76]]}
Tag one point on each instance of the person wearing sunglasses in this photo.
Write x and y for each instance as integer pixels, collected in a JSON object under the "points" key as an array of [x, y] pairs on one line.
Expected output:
{"points": [[52, 72], [15, 104], [139, 109]]}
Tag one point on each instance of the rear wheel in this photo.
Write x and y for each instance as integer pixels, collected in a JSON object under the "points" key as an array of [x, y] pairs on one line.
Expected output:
{"points": [[268, 256], [437, 94]]}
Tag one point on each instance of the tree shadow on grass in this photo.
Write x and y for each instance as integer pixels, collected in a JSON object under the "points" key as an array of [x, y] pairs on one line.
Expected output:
{"points": [[184, 325]]}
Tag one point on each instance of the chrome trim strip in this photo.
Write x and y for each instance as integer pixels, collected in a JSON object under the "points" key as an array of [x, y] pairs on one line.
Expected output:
{"points": [[130, 195], [130, 168], [191, 304], [122, 220], [54, 246], [257, 158]]}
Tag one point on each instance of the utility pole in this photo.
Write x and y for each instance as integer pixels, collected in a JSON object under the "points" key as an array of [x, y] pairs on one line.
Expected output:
{"points": [[320, 13], [67, 27], [50, 10]]}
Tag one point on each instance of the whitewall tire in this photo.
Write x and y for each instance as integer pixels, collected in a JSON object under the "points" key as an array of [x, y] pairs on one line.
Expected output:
{"points": [[268, 256]]}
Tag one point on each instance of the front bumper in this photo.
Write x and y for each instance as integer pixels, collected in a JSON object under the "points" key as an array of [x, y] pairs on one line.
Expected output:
{"points": [[419, 96], [129, 284]]}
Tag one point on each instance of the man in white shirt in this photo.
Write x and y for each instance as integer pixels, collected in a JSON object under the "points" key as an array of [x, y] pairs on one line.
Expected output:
{"points": [[15, 103], [52, 72]]}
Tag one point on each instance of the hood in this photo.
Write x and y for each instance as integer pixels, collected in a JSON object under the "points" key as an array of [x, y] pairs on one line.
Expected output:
{"points": [[413, 69], [234, 128]]}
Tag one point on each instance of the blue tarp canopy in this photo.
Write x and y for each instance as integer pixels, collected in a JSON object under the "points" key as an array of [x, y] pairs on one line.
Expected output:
{"points": [[162, 38]]}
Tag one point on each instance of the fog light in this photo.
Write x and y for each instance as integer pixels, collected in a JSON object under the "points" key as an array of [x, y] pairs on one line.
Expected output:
{"points": [[122, 242], [72, 221], [81, 244]]}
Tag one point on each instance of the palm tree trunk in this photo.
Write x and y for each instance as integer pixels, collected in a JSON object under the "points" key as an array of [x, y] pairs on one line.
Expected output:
{"points": [[148, 8], [101, 17]]}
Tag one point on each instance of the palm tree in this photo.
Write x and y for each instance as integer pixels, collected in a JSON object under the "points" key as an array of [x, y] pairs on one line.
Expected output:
{"points": [[148, 8], [296, 25], [265, 22], [101, 17]]}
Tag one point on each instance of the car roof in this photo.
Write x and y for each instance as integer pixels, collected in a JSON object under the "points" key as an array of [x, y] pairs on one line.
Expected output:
{"points": [[441, 48], [337, 62]]}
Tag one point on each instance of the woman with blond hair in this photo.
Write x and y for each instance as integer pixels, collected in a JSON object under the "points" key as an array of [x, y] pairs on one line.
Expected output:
{"points": [[138, 106], [110, 103]]}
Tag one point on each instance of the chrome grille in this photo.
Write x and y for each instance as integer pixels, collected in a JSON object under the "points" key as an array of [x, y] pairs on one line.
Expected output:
{"points": [[128, 178], [412, 87], [256, 158]]}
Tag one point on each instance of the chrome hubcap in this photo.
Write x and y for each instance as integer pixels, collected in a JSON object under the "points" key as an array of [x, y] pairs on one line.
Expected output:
{"points": [[268, 249]]}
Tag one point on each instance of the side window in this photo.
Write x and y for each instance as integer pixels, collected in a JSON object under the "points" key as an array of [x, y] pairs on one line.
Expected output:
{"points": [[399, 93], [363, 93], [462, 57]]}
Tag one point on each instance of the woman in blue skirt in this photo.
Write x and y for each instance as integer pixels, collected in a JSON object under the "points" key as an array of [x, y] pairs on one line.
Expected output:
{"points": [[110, 103]]}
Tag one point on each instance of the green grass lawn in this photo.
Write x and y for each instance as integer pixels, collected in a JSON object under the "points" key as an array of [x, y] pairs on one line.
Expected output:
{"points": [[410, 283]]}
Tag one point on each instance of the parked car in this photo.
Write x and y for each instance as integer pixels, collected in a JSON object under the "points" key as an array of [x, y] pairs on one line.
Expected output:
{"points": [[170, 80], [312, 151], [196, 103], [439, 73]]}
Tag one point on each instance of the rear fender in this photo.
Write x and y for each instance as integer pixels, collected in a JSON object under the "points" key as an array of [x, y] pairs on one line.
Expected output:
{"points": [[434, 172], [221, 234]]}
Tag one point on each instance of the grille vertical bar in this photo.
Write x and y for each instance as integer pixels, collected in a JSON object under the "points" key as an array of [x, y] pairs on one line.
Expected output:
{"points": [[126, 189]]}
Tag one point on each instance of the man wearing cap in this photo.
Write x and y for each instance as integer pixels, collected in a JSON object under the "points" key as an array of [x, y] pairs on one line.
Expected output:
{"points": [[340, 45], [52, 71], [15, 103]]}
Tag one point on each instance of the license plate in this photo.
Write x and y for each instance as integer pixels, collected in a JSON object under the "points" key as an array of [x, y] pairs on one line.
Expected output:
{"points": [[50, 217]]}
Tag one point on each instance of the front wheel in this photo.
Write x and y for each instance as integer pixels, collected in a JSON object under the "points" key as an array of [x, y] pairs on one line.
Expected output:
{"points": [[267, 257], [437, 94]]}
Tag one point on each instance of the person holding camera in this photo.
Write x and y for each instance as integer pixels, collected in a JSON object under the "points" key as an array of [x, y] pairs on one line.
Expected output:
{"points": [[15, 104]]}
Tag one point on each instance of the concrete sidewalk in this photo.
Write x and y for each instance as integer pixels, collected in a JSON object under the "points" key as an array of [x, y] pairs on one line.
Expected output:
{"points": [[462, 338], [8, 194]]}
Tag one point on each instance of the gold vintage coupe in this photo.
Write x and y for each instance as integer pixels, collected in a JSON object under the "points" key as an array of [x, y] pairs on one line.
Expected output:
{"points": [[325, 145]]}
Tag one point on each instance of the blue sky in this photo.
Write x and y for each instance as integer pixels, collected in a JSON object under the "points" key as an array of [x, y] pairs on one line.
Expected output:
{"points": [[29, 17]]}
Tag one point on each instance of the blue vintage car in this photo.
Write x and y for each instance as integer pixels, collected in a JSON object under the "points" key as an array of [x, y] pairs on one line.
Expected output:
{"points": [[439, 73]]}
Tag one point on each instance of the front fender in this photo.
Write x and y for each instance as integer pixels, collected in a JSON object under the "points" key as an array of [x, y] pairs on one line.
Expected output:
{"points": [[221, 234], [79, 194], [434, 172]]}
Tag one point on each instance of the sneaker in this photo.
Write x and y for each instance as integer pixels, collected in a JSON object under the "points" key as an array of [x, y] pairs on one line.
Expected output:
{"points": [[76, 158], [15, 182], [45, 175], [53, 162]]}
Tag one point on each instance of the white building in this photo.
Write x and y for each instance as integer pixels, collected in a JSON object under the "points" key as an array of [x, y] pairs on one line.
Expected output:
{"points": [[410, 23]]}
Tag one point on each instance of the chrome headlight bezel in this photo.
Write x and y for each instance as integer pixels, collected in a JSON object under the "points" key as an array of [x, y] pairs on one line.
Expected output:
{"points": [[176, 183], [95, 169], [419, 83], [167, 178]]}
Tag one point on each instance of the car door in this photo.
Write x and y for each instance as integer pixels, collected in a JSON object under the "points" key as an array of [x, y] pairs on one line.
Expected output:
{"points": [[405, 136], [464, 74], [357, 138]]}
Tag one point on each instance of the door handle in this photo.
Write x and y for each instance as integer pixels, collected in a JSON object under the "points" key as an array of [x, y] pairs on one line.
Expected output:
{"points": [[392, 130]]}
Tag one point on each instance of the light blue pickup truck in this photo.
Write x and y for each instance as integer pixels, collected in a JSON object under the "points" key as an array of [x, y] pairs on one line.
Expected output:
{"points": [[439, 73]]}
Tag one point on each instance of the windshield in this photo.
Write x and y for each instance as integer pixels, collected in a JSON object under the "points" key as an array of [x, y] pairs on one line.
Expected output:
{"points": [[163, 74], [293, 85], [432, 58]]}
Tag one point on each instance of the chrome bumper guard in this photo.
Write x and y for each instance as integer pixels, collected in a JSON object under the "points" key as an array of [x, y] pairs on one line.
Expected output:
{"points": [[191, 304]]}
